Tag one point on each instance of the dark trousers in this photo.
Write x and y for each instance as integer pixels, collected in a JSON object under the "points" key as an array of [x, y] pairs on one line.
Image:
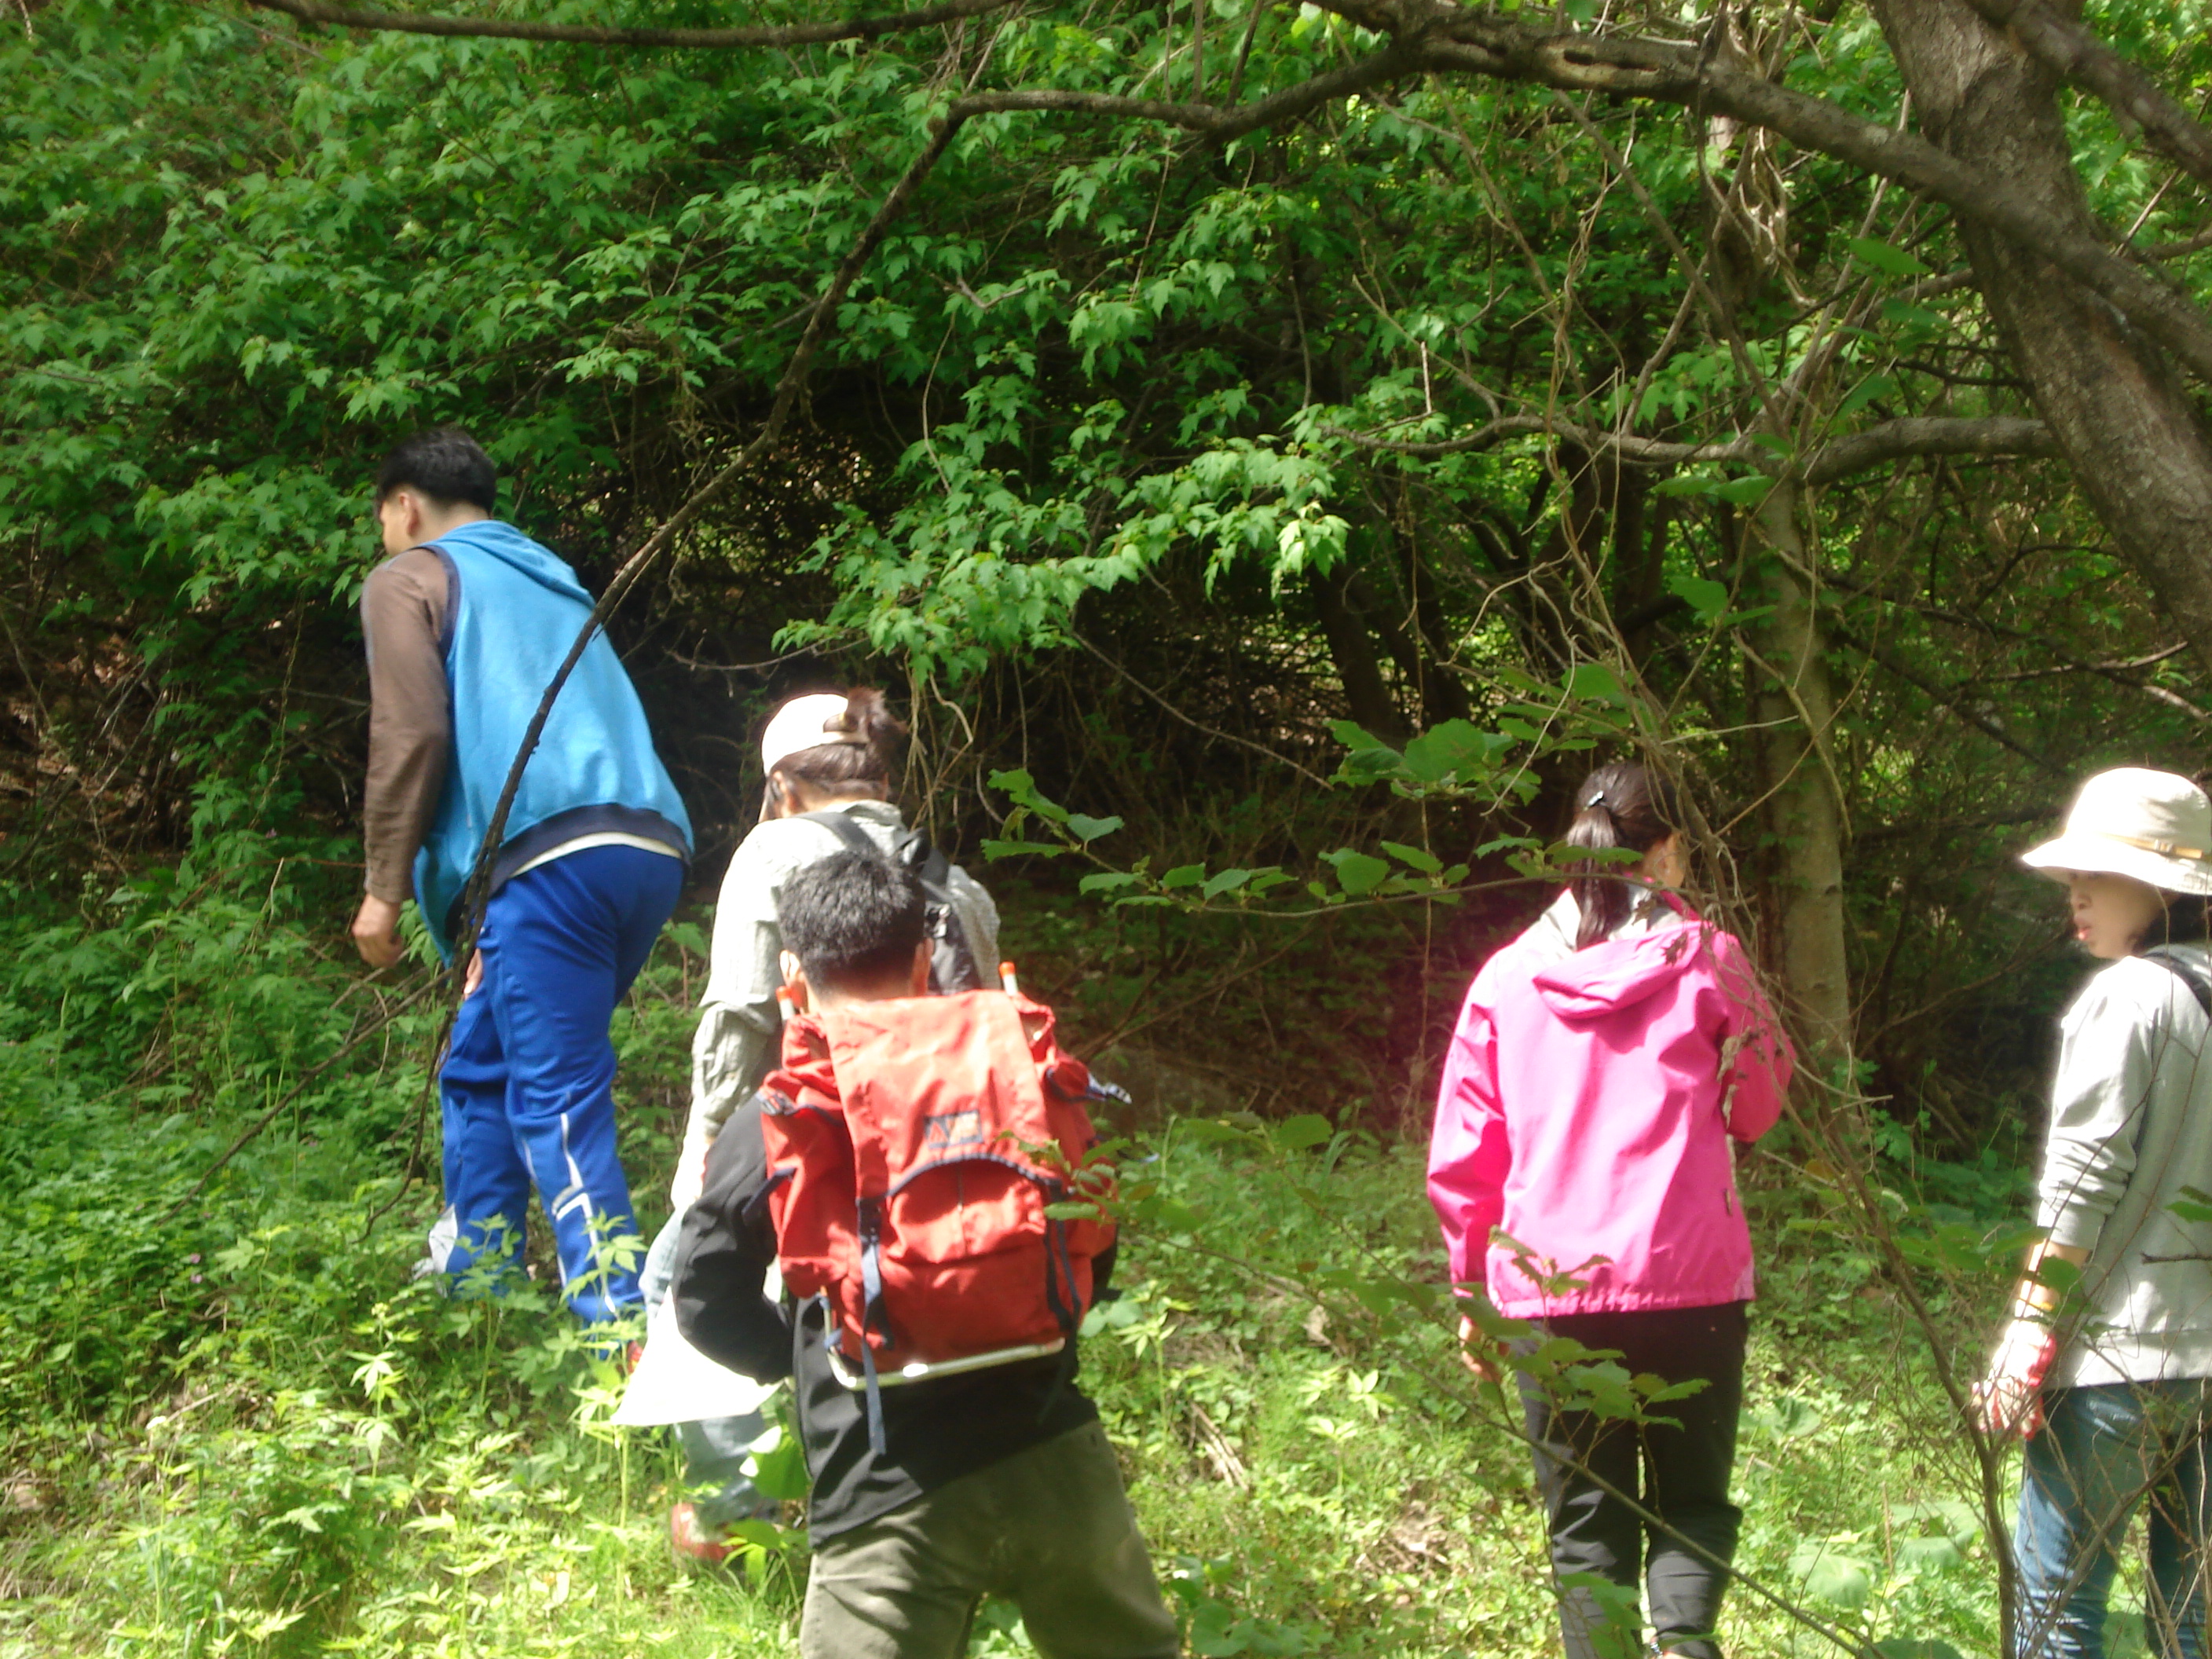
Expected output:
{"points": [[1599, 1545], [1049, 1528]]}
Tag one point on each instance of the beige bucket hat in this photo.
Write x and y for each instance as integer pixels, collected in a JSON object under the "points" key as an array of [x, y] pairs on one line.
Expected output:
{"points": [[2135, 822]]}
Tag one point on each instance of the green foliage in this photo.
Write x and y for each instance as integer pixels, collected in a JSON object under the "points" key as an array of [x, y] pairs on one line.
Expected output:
{"points": [[266, 1439], [1188, 448], [1102, 397], [246, 1430]]}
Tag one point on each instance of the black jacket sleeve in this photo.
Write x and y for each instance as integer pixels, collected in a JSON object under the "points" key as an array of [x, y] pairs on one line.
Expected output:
{"points": [[723, 1253]]}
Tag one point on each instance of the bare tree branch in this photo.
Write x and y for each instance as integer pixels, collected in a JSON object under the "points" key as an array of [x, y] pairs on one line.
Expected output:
{"points": [[2120, 673], [1426, 37], [1493, 433], [1890, 440], [1195, 725], [1955, 699], [2180, 249], [591, 34], [1624, 66], [1212, 121], [2072, 51], [1198, 117]]}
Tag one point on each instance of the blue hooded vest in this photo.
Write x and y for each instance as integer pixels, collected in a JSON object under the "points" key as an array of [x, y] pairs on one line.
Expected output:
{"points": [[513, 610]]}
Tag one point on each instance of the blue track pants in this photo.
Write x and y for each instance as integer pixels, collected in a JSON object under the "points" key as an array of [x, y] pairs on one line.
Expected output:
{"points": [[528, 1086]]}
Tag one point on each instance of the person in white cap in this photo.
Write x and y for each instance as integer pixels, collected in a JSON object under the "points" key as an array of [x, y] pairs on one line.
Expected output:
{"points": [[830, 758], [2103, 1366]]}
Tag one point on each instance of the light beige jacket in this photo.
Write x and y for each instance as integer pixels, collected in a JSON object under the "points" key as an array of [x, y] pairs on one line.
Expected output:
{"points": [[2130, 1140]]}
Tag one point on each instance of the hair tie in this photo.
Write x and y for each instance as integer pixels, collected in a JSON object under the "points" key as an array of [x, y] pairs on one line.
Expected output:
{"points": [[1598, 799]]}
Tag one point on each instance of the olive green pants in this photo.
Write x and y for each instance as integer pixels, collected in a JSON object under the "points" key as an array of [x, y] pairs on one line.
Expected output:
{"points": [[1049, 1528]]}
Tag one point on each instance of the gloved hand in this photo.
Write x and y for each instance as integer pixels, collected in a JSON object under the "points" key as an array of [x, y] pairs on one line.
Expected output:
{"points": [[2010, 1397]]}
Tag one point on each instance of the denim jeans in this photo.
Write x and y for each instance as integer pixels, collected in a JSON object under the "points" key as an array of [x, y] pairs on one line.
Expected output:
{"points": [[2102, 1451]]}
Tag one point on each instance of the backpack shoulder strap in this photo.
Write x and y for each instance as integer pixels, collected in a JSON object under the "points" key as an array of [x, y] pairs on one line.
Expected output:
{"points": [[840, 825], [953, 962], [919, 854], [912, 847], [2187, 975]]}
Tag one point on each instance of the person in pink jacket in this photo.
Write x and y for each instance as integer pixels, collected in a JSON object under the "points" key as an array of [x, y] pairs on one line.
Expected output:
{"points": [[1582, 1169]]}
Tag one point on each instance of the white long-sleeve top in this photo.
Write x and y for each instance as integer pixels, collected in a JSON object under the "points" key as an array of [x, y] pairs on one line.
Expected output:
{"points": [[2131, 1137], [739, 1026]]}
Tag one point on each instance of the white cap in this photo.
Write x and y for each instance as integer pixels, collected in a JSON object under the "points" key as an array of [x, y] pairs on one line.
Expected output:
{"points": [[803, 723], [2153, 826]]}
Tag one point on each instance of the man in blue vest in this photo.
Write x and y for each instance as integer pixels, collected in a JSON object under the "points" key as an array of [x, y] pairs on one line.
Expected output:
{"points": [[466, 623]]}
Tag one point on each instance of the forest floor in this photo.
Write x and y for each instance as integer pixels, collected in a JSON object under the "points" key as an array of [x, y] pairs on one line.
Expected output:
{"points": [[235, 1426]]}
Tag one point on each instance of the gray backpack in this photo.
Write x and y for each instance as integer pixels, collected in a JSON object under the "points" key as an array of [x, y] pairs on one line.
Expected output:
{"points": [[2186, 973], [952, 964]]}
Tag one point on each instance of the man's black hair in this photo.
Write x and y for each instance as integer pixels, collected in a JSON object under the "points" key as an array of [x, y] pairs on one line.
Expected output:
{"points": [[852, 917], [444, 463]]}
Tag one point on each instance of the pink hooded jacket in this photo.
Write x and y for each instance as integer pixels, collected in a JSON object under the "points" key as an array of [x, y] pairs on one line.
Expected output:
{"points": [[1585, 1114]]}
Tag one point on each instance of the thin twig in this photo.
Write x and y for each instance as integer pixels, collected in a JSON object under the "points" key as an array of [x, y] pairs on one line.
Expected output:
{"points": [[313, 1074], [1197, 726], [592, 34]]}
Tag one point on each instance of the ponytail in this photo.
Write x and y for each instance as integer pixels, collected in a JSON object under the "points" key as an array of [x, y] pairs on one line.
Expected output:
{"points": [[1621, 805]]}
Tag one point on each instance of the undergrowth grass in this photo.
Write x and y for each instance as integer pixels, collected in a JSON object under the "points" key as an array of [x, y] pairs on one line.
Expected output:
{"points": [[243, 1429]]}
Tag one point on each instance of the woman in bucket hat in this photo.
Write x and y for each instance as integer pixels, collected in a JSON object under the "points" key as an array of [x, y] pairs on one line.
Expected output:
{"points": [[2103, 1366]]}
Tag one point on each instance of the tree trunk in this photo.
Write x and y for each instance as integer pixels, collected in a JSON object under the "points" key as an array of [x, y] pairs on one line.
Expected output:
{"points": [[1367, 699], [1796, 707], [2120, 414]]}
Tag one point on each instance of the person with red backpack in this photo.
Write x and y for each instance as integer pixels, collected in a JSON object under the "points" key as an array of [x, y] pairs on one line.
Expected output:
{"points": [[830, 759], [909, 1169]]}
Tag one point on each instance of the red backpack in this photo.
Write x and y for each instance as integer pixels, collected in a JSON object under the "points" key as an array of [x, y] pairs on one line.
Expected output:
{"points": [[914, 1147]]}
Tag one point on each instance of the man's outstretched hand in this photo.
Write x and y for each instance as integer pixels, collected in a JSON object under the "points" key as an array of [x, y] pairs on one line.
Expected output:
{"points": [[376, 932]]}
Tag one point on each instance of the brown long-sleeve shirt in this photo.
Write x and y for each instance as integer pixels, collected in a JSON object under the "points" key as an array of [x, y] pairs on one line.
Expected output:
{"points": [[405, 607]]}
